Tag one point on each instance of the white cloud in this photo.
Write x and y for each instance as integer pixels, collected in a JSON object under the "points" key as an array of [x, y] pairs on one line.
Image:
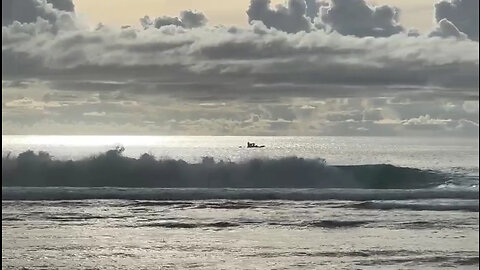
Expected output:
{"points": [[426, 120]]}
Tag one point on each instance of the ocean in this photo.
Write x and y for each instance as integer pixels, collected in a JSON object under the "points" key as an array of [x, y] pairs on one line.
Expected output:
{"points": [[96, 202]]}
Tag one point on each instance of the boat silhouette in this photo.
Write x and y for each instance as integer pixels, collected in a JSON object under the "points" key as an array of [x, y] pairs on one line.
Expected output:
{"points": [[254, 145]]}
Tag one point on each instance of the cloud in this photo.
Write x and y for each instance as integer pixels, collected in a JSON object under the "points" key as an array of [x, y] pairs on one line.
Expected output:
{"points": [[426, 120], [28, 103], [347, 17], [468, 127], [313, 8], [211, 62], [291, 18], [78, 112], [187, 19], [446, 29], [461, 13], [372, 115], [65, 5], [470, 106], [342, 116], [355, 17], [28, 11], [192, 19], [425, 125], [190, 78], [47, 126], [95, 114]]}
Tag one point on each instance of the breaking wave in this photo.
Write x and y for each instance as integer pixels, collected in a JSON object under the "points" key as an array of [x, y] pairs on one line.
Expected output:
{"points": [[30, 169]]}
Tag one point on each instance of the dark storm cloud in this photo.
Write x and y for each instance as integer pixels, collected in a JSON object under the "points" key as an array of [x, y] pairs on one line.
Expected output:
{"points": [[291, 18], [65, 5], [27, 11], [355, 17], [313, 8], [191, 19], [347, 17], [187, 19], [462, 13]]}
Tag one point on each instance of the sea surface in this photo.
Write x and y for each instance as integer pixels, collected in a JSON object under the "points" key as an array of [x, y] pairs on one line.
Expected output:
{"points": [[433, 226]]}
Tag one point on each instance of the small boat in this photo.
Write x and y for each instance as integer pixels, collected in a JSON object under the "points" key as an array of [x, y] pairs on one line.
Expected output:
{"points": [[254, 145]]}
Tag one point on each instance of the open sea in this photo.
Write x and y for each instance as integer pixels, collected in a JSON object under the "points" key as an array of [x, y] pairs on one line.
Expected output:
{"points": [[298, 203]]}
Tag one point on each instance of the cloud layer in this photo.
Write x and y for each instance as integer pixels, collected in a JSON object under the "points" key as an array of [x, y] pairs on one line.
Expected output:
{"points": [[27, 11], [305, 68], [257, 58]]}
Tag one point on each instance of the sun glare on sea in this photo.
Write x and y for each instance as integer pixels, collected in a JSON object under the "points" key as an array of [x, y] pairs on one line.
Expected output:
{"points": [[85, 140]]}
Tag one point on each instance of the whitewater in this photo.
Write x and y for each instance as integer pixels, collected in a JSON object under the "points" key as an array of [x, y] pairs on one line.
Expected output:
{"points": [[146, 202]]}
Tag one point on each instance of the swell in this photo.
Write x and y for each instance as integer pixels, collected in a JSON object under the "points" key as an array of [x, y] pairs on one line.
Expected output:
{"points": [[31, 169], [188, 194], [180, 225], [469, 206]]}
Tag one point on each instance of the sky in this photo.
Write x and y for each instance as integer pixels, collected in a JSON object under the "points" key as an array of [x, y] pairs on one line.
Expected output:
{"points": [[415, 13], [252, 67]]}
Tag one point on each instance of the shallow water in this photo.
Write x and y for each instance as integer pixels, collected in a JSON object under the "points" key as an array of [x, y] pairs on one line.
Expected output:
{"points": [[234, 234]]}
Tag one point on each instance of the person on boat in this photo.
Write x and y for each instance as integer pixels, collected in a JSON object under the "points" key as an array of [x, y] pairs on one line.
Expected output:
{"points": [[252, 145]]}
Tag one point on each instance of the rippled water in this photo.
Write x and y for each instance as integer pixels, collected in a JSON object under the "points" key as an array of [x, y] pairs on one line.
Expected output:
{"points": [[234, 234]]}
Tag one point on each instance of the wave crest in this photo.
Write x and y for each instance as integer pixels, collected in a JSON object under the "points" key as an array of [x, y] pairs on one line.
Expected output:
{"points": [[113, 169]]}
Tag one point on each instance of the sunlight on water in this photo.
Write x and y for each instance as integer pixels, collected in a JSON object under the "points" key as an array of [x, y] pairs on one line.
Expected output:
{"points": [[86, 140], [430, 153]]}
